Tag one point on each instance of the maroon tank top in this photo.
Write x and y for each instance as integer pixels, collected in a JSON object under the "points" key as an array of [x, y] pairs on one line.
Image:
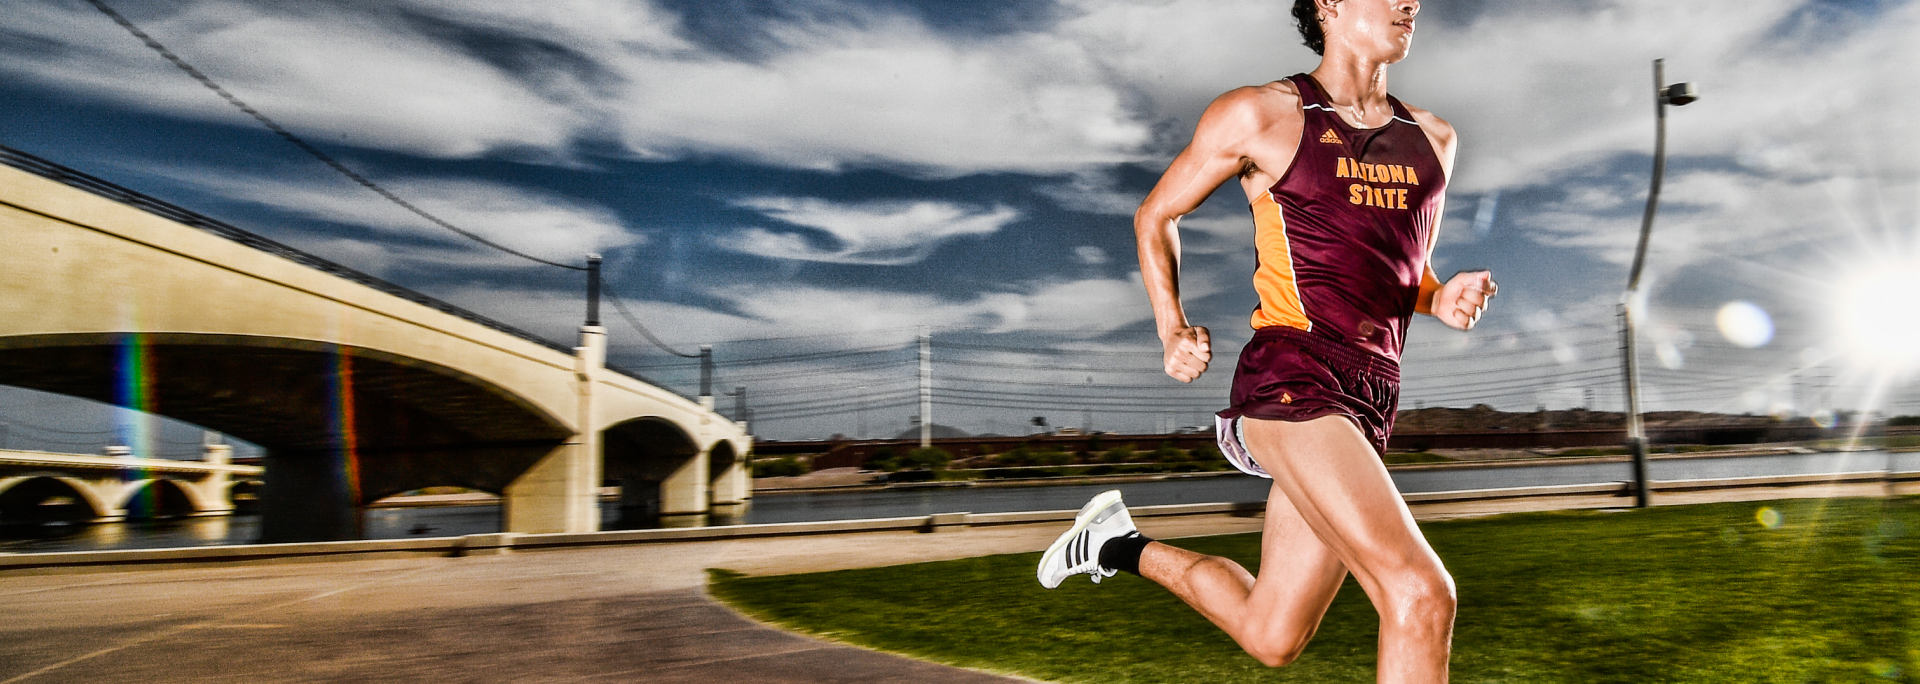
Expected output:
{"points": [[1343, 238]]}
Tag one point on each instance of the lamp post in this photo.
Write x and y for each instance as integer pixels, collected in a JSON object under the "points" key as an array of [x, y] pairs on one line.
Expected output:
{"points": [[593, 289], [1677, 94]]}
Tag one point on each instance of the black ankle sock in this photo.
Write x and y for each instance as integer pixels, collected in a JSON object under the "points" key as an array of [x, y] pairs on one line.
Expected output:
{"points": [[1123, 553]]}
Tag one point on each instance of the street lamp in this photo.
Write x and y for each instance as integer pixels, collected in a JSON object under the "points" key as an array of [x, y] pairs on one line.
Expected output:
{"points": [[1677, 94]]}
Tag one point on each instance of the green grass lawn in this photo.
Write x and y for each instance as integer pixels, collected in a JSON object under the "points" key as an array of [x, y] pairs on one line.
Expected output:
{"points": [[1787, 591]]}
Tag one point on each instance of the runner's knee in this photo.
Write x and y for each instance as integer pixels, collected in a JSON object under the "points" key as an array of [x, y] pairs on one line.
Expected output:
{"points": [[1277, 642], [1279, 645], [1423, 597]]}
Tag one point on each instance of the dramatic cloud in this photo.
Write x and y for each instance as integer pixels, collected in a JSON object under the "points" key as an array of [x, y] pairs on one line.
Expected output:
{"points": [[541, 224], [1093, 193], [1556, 90], [558, 316], [874, 233], [831, 93], [355, 78], [1082, 307], [911, 99]]}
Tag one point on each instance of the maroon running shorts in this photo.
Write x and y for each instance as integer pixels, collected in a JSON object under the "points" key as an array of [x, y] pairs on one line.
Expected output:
{"points": [[1293, 375]]}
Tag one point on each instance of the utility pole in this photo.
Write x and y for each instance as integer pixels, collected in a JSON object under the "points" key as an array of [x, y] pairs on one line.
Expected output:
{"points": [[1086, 418], [860, 415], [926, 388], [1677, 94]]}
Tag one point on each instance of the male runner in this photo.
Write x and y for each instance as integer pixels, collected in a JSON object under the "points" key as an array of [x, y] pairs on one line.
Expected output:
{"points": [[1346, 186]]}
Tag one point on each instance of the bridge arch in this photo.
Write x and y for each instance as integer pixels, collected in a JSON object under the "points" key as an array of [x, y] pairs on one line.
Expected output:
{"points": [[639, 456], [243, 495], [162, 498], [342, 425], [729, 486], [21, 499], [278, 391], [720, 458]]}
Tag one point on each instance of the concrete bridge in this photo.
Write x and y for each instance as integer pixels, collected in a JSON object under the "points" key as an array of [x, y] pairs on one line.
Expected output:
{"points": [[115, 487], [358, 388]]}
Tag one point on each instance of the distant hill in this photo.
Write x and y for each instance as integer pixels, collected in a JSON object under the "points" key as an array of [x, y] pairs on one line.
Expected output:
{"points": [[939, 432], [1483, 417]]}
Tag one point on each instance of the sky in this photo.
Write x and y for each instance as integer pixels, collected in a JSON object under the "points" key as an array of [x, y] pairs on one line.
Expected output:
{"points": [[804, 184]]}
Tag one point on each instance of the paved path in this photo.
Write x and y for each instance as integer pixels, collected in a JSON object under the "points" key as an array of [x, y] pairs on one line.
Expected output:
{"points": [[633, 613]]}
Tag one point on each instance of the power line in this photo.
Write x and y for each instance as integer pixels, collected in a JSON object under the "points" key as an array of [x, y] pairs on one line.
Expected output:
{"points": [[1154, 410], [845, 402], [622, 308], [841, 409], [815, 356], [1212, 383], [862, 333], [297, 141], [836, 371], [965, 346]]}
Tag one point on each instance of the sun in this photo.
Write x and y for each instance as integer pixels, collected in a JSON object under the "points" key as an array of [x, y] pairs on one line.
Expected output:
{"points": [[1876, 313]]}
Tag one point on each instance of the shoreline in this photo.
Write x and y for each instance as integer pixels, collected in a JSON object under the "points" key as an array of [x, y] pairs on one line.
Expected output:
{"points": [[1473, 464], [786, 489]]}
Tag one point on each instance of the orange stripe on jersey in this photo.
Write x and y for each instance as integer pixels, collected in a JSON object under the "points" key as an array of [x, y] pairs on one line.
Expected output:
{"points": [[1279, 291]]}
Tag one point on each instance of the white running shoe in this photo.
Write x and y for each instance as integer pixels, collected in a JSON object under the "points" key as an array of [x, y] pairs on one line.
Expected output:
{"points": [[1077, 551]]}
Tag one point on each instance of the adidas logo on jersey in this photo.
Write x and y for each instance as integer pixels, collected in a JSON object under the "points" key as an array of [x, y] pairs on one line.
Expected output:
{"points": [[1329, 137]]}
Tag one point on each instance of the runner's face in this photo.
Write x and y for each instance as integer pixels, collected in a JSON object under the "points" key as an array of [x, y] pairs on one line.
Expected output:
{"points": [[1375, 28]]}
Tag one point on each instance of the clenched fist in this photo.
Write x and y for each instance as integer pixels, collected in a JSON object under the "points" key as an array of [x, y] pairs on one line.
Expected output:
{"points": [[1186, 352], [1460, 302]]}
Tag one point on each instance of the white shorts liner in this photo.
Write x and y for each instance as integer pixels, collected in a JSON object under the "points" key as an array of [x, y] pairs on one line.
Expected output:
{"points": [[1232, 436]]}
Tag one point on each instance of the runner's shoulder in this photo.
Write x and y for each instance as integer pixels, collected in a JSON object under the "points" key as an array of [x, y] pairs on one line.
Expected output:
{"points": [[1253, 107], [1435, 127]]}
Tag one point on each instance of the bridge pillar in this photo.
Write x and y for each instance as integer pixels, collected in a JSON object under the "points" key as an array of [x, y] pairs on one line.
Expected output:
{"points": [[561, 493], [732, 486], [212, 489], [106, 492], [308, 497], [683, 495]]}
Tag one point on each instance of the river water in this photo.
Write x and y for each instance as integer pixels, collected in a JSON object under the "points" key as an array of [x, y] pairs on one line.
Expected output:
{"points": [[399, 523]]}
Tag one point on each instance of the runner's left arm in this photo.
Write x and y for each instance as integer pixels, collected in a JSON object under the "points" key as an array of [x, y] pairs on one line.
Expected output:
{"points": [[1461, 300]]}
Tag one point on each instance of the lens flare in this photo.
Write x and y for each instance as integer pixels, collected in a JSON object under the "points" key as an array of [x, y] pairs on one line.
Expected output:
{"points": [[1745, 324], [1768, 518], [346, 437], [135, 391]]}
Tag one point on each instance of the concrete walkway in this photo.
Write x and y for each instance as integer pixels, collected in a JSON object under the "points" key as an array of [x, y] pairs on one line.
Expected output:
{"points": [[630, 613]]}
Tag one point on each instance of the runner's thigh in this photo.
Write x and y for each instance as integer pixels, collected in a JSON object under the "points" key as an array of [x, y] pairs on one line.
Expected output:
{"points": [[1336, 483], [1299, 574]]}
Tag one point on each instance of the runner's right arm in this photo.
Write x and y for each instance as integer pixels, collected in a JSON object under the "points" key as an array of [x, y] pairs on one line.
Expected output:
{"points": [[1216, 156]]}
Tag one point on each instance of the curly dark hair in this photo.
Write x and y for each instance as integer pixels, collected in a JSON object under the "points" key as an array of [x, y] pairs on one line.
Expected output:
{"points": [[1306, 15]]}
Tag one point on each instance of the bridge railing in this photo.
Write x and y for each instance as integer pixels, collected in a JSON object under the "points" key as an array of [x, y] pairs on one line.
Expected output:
{"points": [[172, 212]]}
